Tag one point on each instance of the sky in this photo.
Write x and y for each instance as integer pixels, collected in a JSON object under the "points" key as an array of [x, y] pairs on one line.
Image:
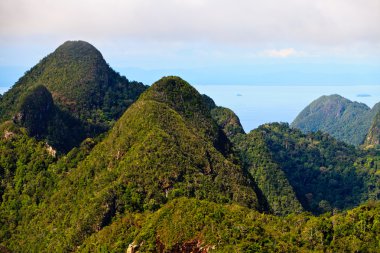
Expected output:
{"points": [[245, 42]]}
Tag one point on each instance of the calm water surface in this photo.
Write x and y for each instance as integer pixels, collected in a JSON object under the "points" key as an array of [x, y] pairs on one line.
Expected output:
{"points": [[256, 105]]}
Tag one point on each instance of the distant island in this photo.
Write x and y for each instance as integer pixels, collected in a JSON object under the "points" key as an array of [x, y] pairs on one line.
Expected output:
{"points": [[363, 95]]}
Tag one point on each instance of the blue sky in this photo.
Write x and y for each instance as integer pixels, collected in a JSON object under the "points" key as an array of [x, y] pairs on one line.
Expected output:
{"points": [[245, 42]]}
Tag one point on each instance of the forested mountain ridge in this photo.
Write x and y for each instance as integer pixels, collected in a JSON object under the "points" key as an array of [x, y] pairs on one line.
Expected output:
{"points": [[157, 151], [345, 120], [323, 172], [157, 182], [83, 88], [174, 173], [296, 171]]}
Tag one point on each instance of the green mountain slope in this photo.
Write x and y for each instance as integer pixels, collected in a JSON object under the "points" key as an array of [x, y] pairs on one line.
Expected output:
{"points": [[228, 121], [256, 158], [296, 171], [324, 173], [25, 180], [190, 225], [252, 148], [373, 136], [176, 173], [42, 119], [82, 86], [345, 120], [269, 176], [166, 145]]}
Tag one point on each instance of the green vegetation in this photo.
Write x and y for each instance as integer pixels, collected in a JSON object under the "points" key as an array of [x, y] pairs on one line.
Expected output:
{"points": [[272, 183], [156, 152], [269, 176], [343, 119], [323, 172], [175, 172], [373, 136], [25, 181], [228, 121], [83, 88], [190, 225], [45, 121], [296, 171]]}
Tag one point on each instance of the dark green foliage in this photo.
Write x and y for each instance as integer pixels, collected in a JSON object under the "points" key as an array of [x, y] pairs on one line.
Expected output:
{"points": [[83, 87], [292, 168], [165, 178], [373, 136], [186, 100], [320, 169], [35, 110], [117, 236], [25, 180], [42, 119], [208, 102], [272, 183], [159, 150], [345, 120], [269, 176], [192, 225], [368, 167], [228, 121]]}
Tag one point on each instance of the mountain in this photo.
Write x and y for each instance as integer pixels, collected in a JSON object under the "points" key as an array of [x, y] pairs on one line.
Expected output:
{"points": [[345, 120], [166, 145], [313, 172], [373, 136], [82, 87], [256, 159], [267, 173], [324, 173], [176, 173], [42, 119], [295, 172]]}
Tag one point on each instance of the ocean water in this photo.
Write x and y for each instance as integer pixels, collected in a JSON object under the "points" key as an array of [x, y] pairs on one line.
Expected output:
{"points": [[259, 104], [256, 105]]}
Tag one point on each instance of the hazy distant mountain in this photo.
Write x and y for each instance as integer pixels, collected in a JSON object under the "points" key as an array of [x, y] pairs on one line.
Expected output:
{"points": [[345, 120], [82, 86]]}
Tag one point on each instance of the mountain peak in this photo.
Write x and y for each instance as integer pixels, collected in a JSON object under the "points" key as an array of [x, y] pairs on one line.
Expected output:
{"points": [[346, 120], [82, 85], [180, 96], [177, 93], [77, 50]]}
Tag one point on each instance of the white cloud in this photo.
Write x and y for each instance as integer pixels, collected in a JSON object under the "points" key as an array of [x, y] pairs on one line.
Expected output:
{"points": [[322, 22], [282, 53], [191, 33]]}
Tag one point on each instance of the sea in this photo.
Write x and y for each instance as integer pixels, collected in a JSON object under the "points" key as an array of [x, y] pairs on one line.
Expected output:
{"points": [[259, 104]]}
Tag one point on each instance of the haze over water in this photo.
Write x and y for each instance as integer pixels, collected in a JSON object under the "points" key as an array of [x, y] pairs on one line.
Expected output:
{"points": [[256, 105]]}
